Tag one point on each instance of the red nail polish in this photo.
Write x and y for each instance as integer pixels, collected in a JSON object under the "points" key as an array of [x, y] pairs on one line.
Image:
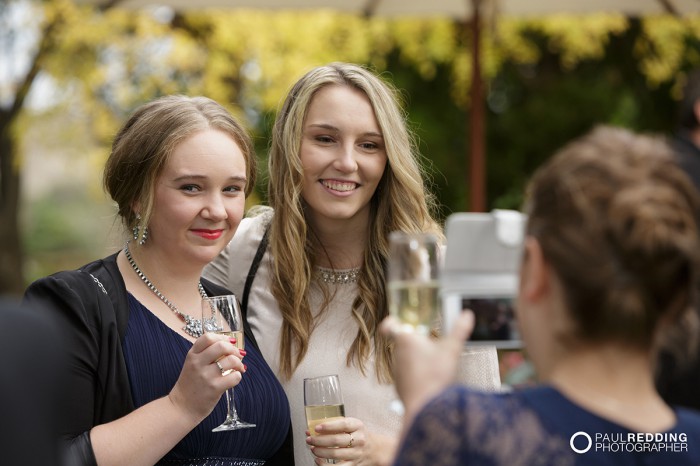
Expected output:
{"points": [[232, 340], [243, 352], [245, 368]]}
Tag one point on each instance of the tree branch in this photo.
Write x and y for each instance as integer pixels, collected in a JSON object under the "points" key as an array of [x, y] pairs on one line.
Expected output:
{"points": [[670, 8], [47, 41]]}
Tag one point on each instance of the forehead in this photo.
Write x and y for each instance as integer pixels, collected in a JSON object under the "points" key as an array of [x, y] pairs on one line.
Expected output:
{"points": [[205, 151], [337, 101]]}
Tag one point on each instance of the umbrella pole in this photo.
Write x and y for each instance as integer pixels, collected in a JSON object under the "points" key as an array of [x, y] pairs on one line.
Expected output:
{"points": [[476, 131]]}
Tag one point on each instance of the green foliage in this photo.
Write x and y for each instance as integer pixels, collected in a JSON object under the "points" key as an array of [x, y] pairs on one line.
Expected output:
{"points": [[548, 80], [66, 230]]}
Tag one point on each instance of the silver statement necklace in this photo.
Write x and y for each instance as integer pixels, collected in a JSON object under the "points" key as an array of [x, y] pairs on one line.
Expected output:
{"points": [[193, 327], [333, 277]]}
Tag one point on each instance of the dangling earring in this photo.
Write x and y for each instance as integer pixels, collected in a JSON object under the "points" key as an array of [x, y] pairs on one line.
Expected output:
{"points": [[135, 231], [144, 235]]}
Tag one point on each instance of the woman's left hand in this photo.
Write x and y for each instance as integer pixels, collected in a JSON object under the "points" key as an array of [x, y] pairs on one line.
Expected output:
{"points": [[348, 442]]}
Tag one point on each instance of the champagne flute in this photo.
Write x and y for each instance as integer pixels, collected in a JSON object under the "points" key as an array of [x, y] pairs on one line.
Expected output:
{"points": [[412, 279], [222, 315], [322, 402], [413, 287]]}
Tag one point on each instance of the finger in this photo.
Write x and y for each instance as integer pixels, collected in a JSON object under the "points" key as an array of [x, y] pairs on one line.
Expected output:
{"points": [[203, 342], [351, 441], [463, 326], [336, 461], [389, 326], [461, 330], [342, 440], [228, 363], [339, 426], [324, 441], [224, 371], [208, 339], [323, 461], [219, 349], [337, 455], [229, 376]]}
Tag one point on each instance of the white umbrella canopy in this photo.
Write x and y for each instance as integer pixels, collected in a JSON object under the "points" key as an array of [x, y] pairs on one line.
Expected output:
{"points": [[470, 11]]}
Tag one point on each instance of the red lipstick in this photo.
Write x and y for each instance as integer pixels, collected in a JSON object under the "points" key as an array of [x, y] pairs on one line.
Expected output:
{"points": [[208, 234]]}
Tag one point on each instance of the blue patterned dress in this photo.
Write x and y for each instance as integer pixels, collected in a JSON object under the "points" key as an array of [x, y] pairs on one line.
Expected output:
{"points": [[536, 426]]}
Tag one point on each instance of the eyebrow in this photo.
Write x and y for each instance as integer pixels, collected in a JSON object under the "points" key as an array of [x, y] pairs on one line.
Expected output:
{"points": [[337, 130], [202, 177]]}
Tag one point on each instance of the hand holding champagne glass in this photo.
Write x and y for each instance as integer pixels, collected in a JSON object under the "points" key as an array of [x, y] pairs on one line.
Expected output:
{"points": [[412, 279], [222, 315], [322, 402]]}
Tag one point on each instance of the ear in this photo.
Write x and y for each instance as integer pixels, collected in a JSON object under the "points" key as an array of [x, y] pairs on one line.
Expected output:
{"points": [[136, 207], [534, 276]]}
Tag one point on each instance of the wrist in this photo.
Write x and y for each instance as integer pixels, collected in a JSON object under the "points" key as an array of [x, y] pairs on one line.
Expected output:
{"points": [[188, 416], [382, 449]]}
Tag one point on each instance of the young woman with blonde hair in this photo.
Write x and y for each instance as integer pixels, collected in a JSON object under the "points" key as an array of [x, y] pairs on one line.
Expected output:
{"points": [[344, 173]]}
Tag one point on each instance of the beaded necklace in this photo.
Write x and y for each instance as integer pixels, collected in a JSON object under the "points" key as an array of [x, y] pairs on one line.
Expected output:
{"points": [[334, 277], [193, 327]]}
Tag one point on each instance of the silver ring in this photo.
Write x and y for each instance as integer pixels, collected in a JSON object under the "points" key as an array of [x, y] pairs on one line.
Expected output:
{"points": [[221, 369]]}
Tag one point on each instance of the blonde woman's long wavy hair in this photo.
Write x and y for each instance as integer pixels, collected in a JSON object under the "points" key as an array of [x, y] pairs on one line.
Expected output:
{"points": [[401, 202]]}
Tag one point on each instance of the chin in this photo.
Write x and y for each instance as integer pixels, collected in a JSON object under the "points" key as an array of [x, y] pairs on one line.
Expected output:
{"points": [[342, 212], [207, 254]]}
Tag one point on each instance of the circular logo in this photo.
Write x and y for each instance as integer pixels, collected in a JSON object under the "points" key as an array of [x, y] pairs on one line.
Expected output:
{"points": [[580, 450]]}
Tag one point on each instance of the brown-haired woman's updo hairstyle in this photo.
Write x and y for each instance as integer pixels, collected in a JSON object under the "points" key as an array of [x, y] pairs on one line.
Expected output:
{"points": [[143, 145], [617, 220]]}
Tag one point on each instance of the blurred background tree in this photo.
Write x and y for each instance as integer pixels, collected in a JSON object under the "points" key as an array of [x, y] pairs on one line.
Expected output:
{"points": [[70, 75]]}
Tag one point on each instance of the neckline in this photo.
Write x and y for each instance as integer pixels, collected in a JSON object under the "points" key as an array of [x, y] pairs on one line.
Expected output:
{"points": [[193, 326], [337, 276], [598, 414]]}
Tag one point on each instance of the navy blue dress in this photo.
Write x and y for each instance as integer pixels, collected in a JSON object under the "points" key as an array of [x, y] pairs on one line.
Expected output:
{"points": [[154, 356], [537, 426]]}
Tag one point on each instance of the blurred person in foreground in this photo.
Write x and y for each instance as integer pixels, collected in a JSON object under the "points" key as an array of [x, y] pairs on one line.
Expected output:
{"points": [[145, 385], [31, 387], [610, 260], [343, 174], [678, 371]]}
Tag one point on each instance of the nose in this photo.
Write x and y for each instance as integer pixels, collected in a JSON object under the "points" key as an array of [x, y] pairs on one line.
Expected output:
{"points": [[215, 208], [345, 160]]}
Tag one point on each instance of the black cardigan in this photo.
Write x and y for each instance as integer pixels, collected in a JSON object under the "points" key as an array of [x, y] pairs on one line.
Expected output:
{"points": [[92, 311]]}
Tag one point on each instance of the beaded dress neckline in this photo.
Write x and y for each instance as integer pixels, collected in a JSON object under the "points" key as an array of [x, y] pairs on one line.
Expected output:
{"points": [[337, 277]]}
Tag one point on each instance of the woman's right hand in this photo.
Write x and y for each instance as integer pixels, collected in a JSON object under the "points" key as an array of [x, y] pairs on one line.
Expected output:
{"points": [[201, 382], [423, 366]]}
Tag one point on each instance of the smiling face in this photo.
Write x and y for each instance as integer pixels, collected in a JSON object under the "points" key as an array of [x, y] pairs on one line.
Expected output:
{"points": [[343, 155], [199, 198]]}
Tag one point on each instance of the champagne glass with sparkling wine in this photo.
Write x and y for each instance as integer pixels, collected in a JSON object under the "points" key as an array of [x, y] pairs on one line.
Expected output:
{"points": [[412, 279], [322, 402], [222, 315]]}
